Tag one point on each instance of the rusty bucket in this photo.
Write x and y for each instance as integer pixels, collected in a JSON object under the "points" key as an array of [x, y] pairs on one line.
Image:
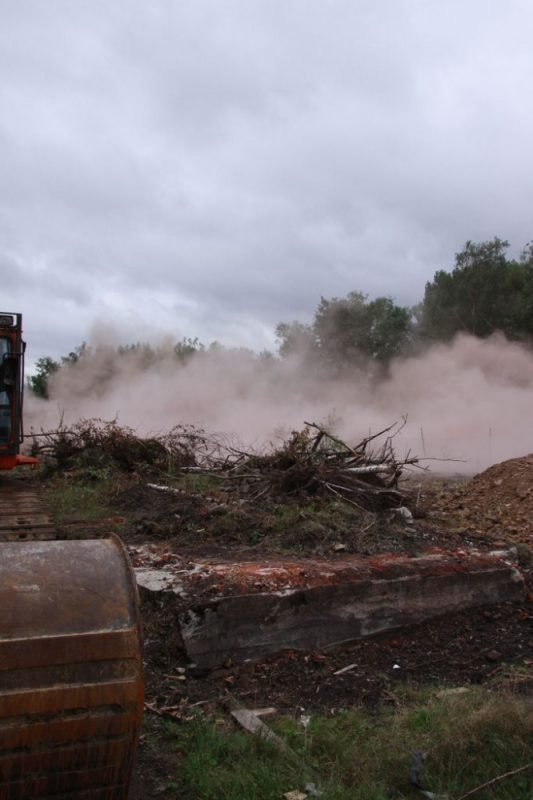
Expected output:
{"points": [[71, 689]]}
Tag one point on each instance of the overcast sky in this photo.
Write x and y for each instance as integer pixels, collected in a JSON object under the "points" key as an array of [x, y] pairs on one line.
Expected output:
{"points": [[211, 167]]}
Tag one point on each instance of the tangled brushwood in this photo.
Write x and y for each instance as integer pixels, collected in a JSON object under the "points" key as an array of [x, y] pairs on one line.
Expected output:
{"points": [[97, 442], [311, 461]]}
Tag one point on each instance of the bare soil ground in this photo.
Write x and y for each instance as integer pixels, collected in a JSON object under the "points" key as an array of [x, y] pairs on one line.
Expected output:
{"points": [[497, 503], [269, 514], [471, 647]]}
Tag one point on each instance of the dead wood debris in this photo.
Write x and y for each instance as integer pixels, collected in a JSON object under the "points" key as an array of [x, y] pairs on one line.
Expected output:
{"points": [[97, 443], [311, 461], [497, 779], [249, 720]]}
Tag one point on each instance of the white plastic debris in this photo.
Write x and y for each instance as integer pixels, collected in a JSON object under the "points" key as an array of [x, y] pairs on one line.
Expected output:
{"points": [[404, 513]]}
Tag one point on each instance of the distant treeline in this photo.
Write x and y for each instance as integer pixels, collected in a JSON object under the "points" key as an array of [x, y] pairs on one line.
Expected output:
{"points": [[485, 292]]}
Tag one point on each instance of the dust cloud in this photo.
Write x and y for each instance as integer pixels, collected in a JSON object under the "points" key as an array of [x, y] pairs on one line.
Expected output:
{"points": [[470, 400]]}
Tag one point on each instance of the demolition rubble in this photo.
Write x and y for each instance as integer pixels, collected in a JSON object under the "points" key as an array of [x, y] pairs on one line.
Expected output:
{"points": [[251, 609], [303, 546]]}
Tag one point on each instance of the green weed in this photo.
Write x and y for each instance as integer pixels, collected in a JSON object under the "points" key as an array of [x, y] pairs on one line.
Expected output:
{"points": [[466, 740], [68, 500], [197, 482]]}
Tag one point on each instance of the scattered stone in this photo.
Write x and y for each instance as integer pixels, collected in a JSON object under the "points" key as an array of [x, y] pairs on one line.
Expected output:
{"points": [[406, 514]]}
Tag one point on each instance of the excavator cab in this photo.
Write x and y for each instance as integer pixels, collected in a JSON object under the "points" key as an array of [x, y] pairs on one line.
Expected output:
{"points": [[71, 684], [11, 388]]}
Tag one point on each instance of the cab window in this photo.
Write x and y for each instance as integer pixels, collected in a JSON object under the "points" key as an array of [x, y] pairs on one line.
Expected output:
{"points": [[5, 402]]}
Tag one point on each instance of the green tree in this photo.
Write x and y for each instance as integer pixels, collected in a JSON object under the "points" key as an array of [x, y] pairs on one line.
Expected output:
{"points": [[44, 368], [295, 338], [352, 329], [484, 293], [74, 356], [187, 348]]}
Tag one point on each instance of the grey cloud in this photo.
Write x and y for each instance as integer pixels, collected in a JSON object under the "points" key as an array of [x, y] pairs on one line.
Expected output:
{"points": [[215, 167]]}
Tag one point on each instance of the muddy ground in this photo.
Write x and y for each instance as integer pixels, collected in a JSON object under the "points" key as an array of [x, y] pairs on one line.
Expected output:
{"points": [[470, 647], [228, 517]]}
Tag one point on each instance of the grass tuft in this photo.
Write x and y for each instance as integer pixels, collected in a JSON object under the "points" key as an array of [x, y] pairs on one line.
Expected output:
{"points": [[466, 739]]}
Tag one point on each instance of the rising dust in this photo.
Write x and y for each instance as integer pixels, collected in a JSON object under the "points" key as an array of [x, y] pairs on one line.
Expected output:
{"points": [[470, 400]]}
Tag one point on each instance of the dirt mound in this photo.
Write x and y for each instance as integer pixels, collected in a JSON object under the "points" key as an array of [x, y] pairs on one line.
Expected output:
{"points": [[497, 502]]}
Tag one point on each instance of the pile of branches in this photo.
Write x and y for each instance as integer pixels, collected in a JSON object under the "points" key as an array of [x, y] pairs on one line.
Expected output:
{"points": [[97, 443], [313, 461], [310, 462]]}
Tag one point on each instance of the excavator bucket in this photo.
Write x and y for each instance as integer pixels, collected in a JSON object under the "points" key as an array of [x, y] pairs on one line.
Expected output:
{"points": [[71, 691], [71, 688]]}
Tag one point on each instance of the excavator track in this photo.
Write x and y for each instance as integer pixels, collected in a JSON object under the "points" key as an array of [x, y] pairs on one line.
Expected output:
{"points": [[22, 514], [71, 689]]}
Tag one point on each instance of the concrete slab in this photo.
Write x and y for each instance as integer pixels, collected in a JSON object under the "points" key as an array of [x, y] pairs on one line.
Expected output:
{"points": [[252, 609]]}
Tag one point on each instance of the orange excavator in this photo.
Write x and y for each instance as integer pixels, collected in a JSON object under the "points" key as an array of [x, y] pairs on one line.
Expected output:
{"points": [[11, 391], [71, 686]]}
